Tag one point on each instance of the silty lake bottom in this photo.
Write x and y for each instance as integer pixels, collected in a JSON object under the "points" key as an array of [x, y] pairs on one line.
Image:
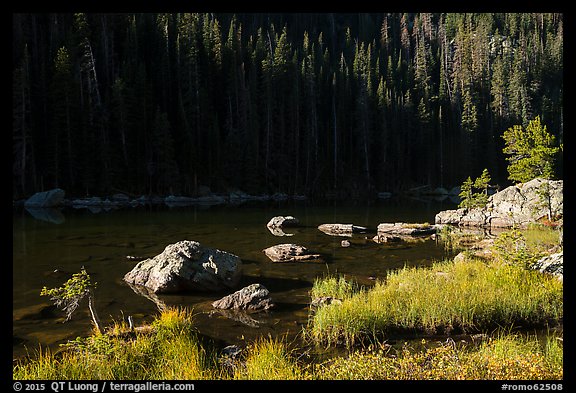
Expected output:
{"points": [[47, 254]]}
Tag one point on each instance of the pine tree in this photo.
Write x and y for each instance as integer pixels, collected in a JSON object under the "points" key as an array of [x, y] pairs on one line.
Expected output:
{"points": [[531, 151], [482, 183]]}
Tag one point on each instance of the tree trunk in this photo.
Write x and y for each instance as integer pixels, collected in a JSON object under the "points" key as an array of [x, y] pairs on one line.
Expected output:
{"points": [[93, 312]]}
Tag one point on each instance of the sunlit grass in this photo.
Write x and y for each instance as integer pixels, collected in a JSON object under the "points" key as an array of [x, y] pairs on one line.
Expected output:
{"points": [[541, 237], [169, 349], [269, 359], [468, 295], [333, 286]]}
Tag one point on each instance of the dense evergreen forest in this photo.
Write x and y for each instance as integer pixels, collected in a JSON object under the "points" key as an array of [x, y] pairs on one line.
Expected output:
{"points": [[296, 103]]}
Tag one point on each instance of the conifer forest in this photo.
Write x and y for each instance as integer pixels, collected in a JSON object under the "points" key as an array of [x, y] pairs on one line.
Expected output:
{"points": [[312, 104]]}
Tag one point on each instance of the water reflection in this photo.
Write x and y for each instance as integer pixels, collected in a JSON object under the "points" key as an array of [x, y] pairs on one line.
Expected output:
{"points": [[52, 215]]}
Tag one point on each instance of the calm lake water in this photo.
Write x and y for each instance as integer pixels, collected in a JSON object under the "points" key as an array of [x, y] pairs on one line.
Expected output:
{"points": [[47, 254]]}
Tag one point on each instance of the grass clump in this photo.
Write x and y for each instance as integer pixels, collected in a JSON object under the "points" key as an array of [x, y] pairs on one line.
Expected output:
{"points": [[469, 295], [170, 349], [269, 359], [334, 286]]}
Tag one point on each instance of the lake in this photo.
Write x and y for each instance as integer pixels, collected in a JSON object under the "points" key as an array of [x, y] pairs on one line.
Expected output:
{"points": [[47, 254]]}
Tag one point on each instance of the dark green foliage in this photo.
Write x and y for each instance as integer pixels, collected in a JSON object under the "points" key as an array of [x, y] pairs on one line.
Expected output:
{"points": [[313, 103], [71, 293], [532, 151]]}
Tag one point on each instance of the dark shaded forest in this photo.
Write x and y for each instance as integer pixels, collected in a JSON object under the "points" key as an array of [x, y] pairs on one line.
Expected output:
{"points": [[310, 104]]}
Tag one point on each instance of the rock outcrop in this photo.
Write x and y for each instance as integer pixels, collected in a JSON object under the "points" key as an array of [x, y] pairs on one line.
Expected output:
{"points": [[290, 253], [187, 266], [516, 205]]}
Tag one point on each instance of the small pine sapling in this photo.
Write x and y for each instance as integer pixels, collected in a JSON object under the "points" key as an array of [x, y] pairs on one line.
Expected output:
{"points": [[68, 296]]}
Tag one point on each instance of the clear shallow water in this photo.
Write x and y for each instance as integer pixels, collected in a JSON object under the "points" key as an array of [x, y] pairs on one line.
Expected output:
{"points": [[47, 254]]}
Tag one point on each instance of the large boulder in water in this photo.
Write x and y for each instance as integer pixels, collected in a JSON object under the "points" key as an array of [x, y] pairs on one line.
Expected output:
{"points": [[187, 266], [255, 297], [51, 198]]}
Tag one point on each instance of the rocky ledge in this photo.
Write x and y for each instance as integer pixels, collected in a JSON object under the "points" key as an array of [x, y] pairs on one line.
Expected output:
{"points": [[517, 205]]}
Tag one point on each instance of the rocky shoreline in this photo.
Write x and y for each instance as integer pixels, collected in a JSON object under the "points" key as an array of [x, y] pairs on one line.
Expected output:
{"points": [[57, 198], [515, 206]]}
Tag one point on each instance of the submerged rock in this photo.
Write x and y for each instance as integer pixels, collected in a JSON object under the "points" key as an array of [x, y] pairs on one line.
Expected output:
{"points": [[187, 266], [290, 253], [241, 316], [405, 229], [279, 232], [341, 229]]}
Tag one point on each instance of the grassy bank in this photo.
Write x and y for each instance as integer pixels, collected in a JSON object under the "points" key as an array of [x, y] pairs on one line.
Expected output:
{"points": [[171, 350], [469, 294]]}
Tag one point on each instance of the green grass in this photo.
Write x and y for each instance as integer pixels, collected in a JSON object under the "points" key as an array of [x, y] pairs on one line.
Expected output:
{"points": [[541, 237], [333, 286], [469, 295], [170, 349], [269, 359]]}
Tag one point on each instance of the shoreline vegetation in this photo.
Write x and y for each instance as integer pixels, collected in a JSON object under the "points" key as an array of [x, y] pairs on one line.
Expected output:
{"points": [[494, 300]]}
